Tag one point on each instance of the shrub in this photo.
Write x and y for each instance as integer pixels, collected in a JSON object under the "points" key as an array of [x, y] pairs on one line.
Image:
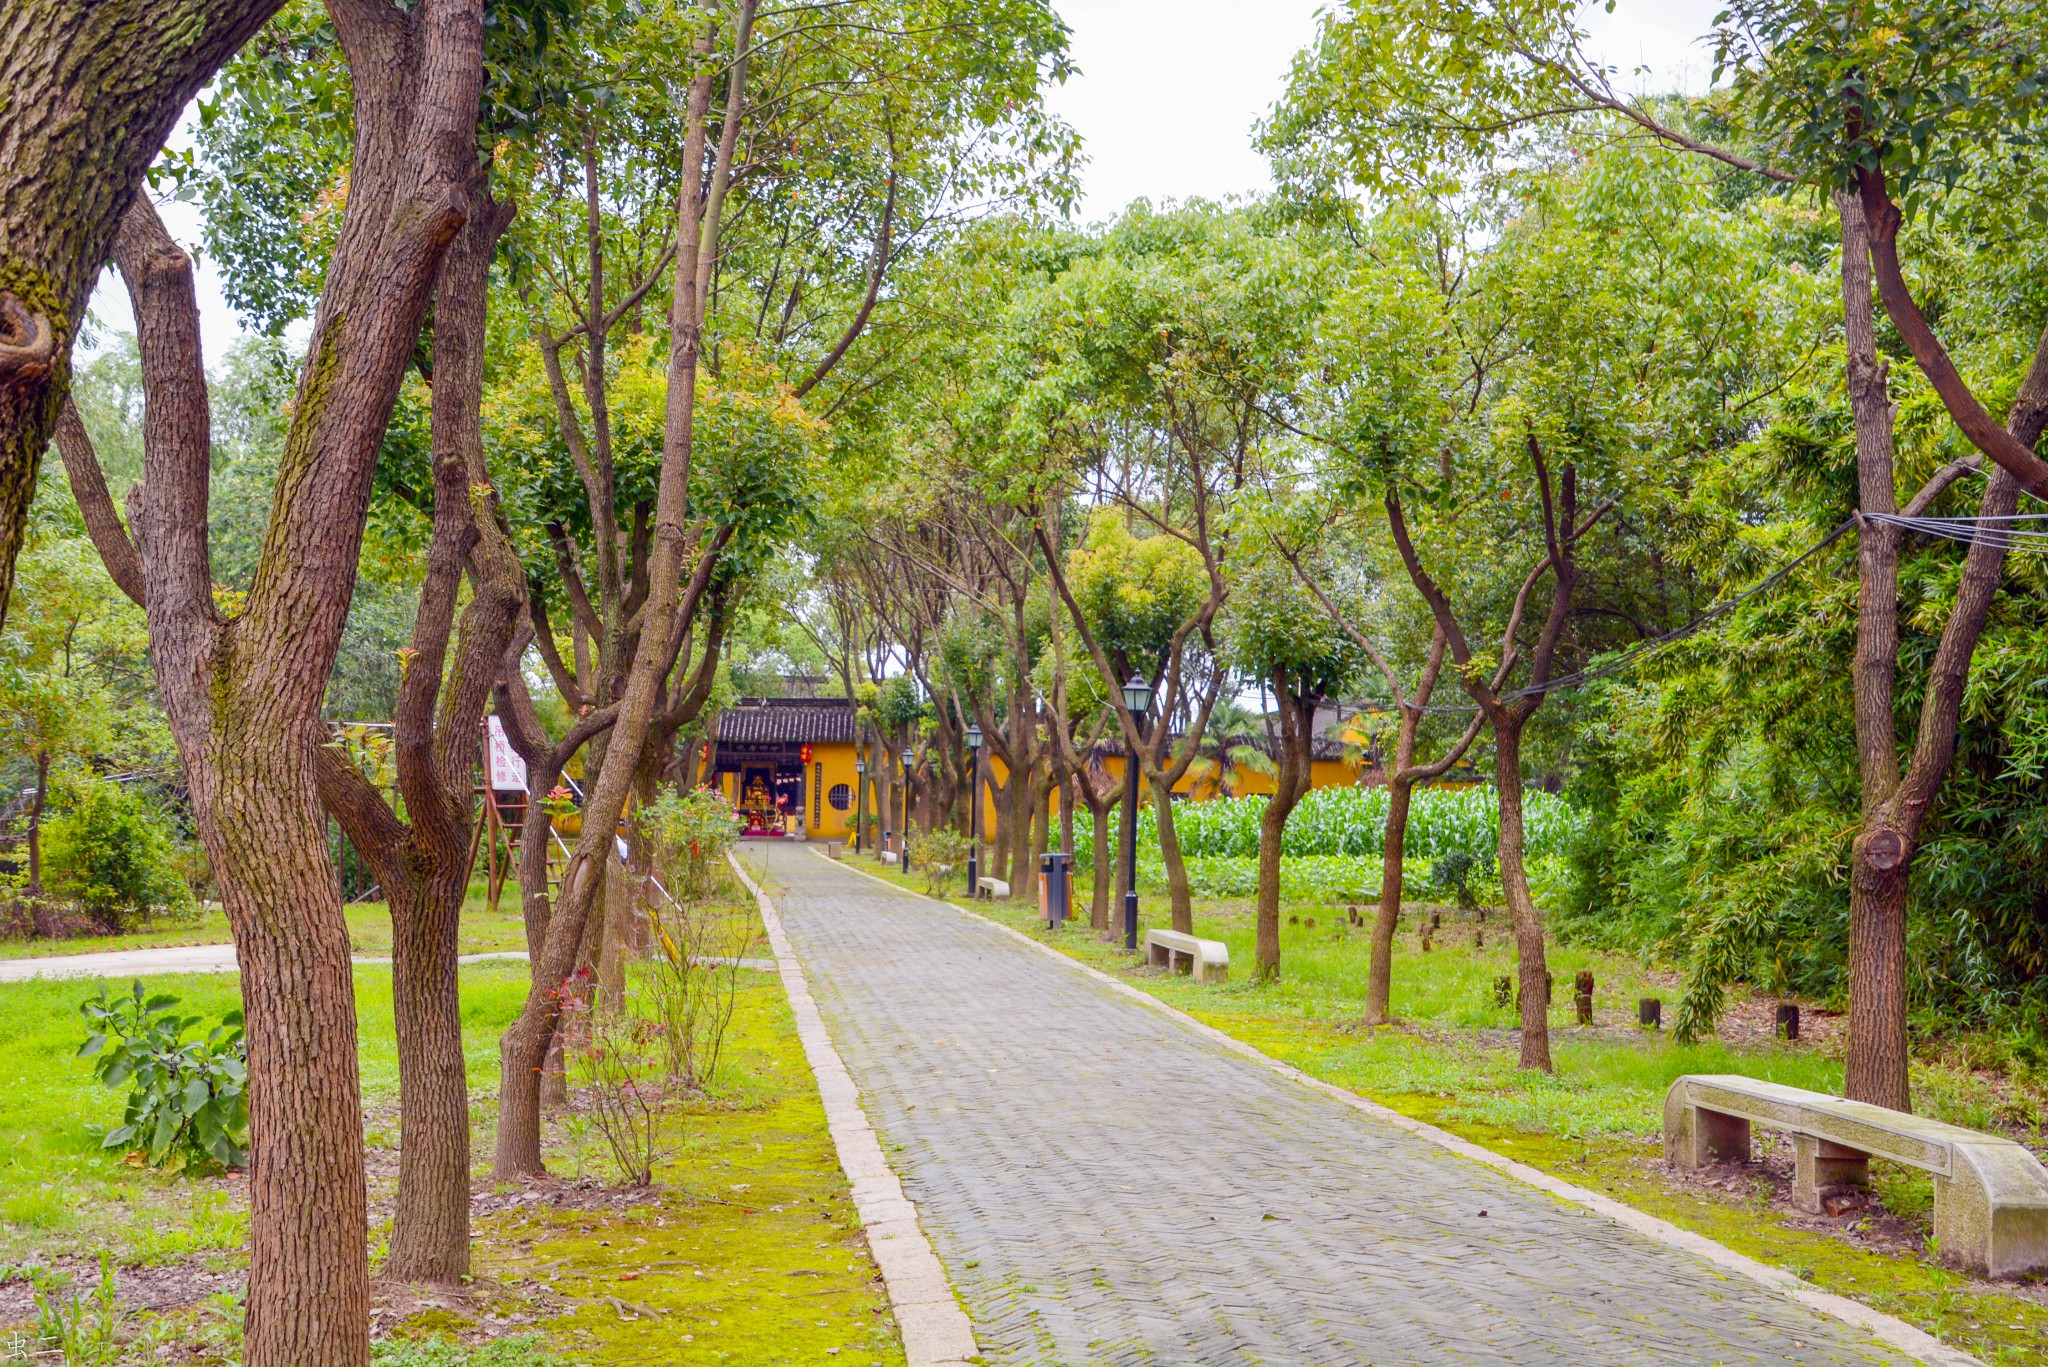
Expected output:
{"points": [[691, 833], [693, 983], [187, 1099], [113, 855], [940, 854], [624, 1093]]}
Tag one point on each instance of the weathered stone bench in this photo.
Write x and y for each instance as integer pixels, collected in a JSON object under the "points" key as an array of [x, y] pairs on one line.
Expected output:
{"points": [[991, 888], [1208, 960], [1990, 1194]]}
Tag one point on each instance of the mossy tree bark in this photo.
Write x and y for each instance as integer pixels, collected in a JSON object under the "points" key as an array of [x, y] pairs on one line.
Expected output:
{"points": [[242, 693], [91, 90]]}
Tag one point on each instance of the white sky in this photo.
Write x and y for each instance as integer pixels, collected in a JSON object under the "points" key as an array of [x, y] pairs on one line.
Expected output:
{"points": [[1166, 98]]}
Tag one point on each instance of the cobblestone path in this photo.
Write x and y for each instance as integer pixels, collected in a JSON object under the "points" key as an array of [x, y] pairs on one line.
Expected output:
{"points": [[1105, 1185]]}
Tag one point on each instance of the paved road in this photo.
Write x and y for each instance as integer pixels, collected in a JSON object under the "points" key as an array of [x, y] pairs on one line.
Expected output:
{"points": [[1106, 1185]]}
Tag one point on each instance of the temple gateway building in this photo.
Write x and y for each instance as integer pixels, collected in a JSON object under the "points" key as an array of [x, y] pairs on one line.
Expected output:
{"points": [[786, 765]]}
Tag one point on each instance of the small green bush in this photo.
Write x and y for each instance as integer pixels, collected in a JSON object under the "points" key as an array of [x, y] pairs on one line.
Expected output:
{"points": [[940, 855], [691, 833], [114, 856], [188, 1102]]}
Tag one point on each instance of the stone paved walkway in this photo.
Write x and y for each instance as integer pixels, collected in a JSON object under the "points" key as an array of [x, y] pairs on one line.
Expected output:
{"points": [[1106, 1185]]}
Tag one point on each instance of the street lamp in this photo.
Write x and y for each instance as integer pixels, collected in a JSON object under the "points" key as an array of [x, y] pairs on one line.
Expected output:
{"points": [[973, 810], [1138, 700], [909, 760], [860, 798]]}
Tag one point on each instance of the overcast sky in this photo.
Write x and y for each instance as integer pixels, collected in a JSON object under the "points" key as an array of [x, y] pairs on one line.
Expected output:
{"points": [[1166, 98]]}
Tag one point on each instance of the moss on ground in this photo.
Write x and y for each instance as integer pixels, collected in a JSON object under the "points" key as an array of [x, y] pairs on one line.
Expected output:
{"points": [[751, 1254], [748, 1251], [1595, 1123]]}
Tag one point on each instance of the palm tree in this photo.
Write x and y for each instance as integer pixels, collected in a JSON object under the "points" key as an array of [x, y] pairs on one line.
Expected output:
{"points": [[1229, 747]]}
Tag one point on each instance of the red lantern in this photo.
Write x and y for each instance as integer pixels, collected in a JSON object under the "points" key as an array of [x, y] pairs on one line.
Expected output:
{"points": [[804, 753]]}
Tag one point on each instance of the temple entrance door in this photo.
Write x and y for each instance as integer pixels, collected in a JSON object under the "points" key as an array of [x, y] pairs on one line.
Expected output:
{"points": [[757, 800]]}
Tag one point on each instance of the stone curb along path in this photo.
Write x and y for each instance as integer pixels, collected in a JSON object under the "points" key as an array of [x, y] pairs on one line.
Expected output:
{"points": [[936, 1332], [1891, 1331]]}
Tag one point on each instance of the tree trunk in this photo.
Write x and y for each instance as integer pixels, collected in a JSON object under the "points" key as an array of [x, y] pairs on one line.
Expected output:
{"points": [[1296, 739], [1067, 800], [430, 1229], [669, 607], [92, 91], [1379, 983], [35, 826], [1180, 895], [1530, 952], [1100, 878]]}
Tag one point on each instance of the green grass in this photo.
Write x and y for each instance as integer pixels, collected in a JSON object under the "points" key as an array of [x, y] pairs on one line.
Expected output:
{"points": [[1596, 1121], [750, 1253], [369, 931]]}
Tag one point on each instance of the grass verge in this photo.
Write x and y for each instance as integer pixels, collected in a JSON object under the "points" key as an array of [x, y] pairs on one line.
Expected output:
{"points": [[747, 1250], [369, 931]]}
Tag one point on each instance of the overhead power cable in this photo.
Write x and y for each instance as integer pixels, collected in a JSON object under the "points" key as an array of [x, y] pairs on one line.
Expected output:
{"points": [[2025, 533]]}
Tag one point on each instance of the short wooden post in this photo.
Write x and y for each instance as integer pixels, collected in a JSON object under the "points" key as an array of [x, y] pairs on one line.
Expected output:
{"points": [[1788, 1020], [1582, 998], [1650, 1013]]}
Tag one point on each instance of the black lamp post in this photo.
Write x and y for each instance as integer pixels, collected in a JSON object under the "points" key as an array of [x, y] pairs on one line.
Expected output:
{"points": [[1138, 699], [860, 798], [909, 760], [973, 810]]}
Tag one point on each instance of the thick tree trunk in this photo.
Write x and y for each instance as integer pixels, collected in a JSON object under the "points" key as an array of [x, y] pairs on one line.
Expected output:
{"points": [[1532, 960], [91, 92], [309, 1295], [1895, 806], [1379, 983]]}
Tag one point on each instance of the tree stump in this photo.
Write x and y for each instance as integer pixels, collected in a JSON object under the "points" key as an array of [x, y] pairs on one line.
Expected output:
{"points": [[1787, 1026], [1650, 1013], [1582, 997]]}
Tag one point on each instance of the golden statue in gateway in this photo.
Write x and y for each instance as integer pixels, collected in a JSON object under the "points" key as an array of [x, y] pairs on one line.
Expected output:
{"points": [[757, 805]]}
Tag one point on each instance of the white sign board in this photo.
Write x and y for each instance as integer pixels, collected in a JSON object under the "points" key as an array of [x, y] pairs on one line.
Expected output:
{"points": [[508, 771]]}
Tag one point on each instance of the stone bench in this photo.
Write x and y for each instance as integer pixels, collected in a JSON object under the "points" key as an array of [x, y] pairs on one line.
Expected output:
{"points": [[1990, 1194], [888, 856], [1208, 960], [988, 889]]}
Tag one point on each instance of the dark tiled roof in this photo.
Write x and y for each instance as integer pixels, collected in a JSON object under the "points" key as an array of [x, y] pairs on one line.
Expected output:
{"points": [[821, 721]]}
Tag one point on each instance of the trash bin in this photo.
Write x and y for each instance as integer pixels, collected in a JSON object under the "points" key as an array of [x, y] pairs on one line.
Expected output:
{"points": [[1055, 887]]}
